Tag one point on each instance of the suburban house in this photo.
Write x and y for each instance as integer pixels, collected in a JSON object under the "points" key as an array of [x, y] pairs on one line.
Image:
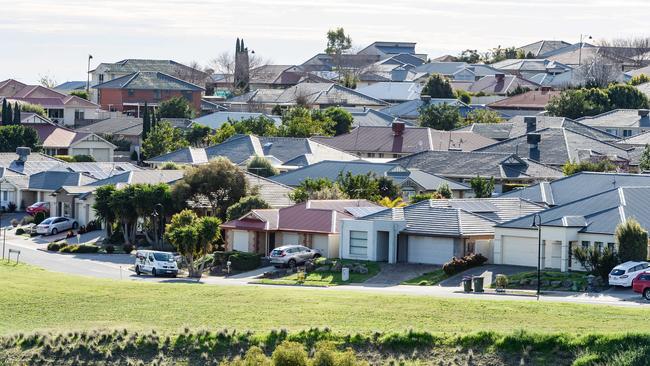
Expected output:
{"points": [[410, 110], [393, 92], [430, 231], [314, 224], [499, 84], [215, 120], [623, 123], [283, 152], [60, 108], [541, 48], [644, 88], [585, 222], [508, 170], [398, 140], [526, 68], [267, 77], [105, 72], [120, 127], [71, 86], [397, 68], [529, 103], [315, 95], [385, 49], [411, 181], [130, 92], [455, 71]]}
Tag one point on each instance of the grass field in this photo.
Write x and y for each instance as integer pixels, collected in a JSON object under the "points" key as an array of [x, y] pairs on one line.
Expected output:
{"points": [[33, 299], [427, 279]]}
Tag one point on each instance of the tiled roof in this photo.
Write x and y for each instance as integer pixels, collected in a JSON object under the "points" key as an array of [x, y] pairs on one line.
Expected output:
{"points": [[530, 65], [411, 109], [122, 125], [148, 80], [53, 180], [399, 91], [618, 118], [142, 176], [500, 85], [165, 66], [534, 99], [37, 94], [543, 47]]}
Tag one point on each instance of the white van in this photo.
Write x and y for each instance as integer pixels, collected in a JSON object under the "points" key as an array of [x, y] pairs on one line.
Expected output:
{"points": [[155, 263]]}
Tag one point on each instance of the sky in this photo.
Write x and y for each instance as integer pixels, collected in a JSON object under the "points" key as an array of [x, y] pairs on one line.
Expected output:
{"points": [[54, 37]]}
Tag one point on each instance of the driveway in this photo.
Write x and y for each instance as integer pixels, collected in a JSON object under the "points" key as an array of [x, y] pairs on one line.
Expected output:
{"points": [[394, 274], [488, 272]]}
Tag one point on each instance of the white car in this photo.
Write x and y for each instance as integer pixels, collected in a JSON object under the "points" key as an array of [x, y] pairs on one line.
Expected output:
{"points": [[155, 263], [55, 225], [624, 273]]}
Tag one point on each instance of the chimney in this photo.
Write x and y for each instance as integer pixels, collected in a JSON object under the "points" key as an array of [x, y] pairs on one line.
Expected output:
{"points": [[533, 140], [398, 128], [425, 98], [500, 77], [23, 153], [643, 112], [531, 124]]}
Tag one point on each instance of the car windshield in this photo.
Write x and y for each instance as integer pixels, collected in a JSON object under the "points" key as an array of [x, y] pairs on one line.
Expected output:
{"points": [[47, 221], [163, 257], [276, 252], [618, 272]]}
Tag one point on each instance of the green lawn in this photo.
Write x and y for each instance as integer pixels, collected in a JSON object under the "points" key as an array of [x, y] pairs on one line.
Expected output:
{"points": [[33, 299], [324, 279], [578, 277], [427, 279]]}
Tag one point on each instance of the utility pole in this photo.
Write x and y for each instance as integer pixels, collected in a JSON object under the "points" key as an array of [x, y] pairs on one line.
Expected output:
{"points": [[90, 57]]}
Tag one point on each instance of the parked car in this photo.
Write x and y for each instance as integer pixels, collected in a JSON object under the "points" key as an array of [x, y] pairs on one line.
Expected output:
{"points": [[292, 255], [39, 207], [624, 273], [55, 225], [155, 263], [641, 284]]}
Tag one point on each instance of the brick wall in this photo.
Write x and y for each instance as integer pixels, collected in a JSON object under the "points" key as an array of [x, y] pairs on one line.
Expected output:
{"points": [[116, 97]]}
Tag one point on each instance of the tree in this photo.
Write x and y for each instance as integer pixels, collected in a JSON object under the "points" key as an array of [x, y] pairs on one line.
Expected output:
{"points": [[342, 120], [176, 107], [81, 94], [146, 122], [482, 187], [10, 115], [154, 119], [262, 167], [309, 188], [463, 95], [244, 206], [438, 86], [444, 191], [338, 43], [17, 118], [605, 165], [632, 241], [388, 188], [223, 133], [623, 96], [303, 122], [47, 81], [163, 139], [5, 117], [596, 261], [198, 135], [440, 116], [193, 237], [644, 162], [103, 210], [518, 90], [218, 182], [33, 108], [425, 196], [469, 56], [360, 186], [391, 203], [259, 126], [639, 79], [576, 103], [483, 116], [14, 136]]}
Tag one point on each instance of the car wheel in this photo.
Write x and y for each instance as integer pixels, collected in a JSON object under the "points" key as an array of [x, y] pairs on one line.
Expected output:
{"points": [[317, 255], [153, 272], [292, 264], [55, 231], [75, 225], [137, 270], [646, 294]]}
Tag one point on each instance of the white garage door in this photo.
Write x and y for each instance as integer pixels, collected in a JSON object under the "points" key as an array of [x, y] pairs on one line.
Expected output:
{"points": [[422, 249], [101, 154], [519, 251], [289, 239], [240, 240]]}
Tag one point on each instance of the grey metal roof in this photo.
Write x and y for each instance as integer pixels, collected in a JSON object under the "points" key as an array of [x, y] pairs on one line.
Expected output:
{"points": [[215, 120], [148, 80], [543, 47], [410, 109], [577, 186], [372, 117], [618, 118], [393, 91], [53, 180], [499, 209], [331, 169], [122, 125], [142, 176]]}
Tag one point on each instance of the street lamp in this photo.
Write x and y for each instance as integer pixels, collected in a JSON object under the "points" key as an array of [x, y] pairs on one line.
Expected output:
{"points": [[537, 222], [90, 57], [580, 50]]}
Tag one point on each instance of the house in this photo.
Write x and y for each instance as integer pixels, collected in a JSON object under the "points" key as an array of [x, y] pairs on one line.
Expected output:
{"points": [[120, 127], [363, 117], [430, 231], [387, 49], [314, 224], [70, 86], [60, 108], [215, 120], [623, 123], [639, 71], [105, 72], [529, 103], [644, 88], [541, 48], [521, 125], [526, 68], [585, 222], [499, 84], [555, 147], [130, 92], [393, 92], [508, 170], [410, 110], [315, 95], [579, 54], [266, 77], [396, 68], [455, 71], [283, 152], [398, 140], [411, 181]]}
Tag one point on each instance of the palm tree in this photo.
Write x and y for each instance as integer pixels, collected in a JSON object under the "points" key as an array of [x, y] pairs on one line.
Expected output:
{"points": [[387, 202]]}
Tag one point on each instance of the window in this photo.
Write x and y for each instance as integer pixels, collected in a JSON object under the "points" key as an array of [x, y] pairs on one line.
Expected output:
{"points": [[79, 114], [585, 244], [627, 133], [395, 156], [101, 78], [371, 155], [599, 246], [611, 247], [4, 195], [381, 155], [131, 92], [358, 242], [613, 131]]}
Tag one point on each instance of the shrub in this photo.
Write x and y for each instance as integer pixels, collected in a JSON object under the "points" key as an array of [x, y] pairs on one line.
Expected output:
{"points": [[127, 248], [80, 248], [39, 217], [92, 226], [20, 231], [501, 281], [56, 246], [83, 158], [116, 238], [69, 235], [14, 222], [242, 261], [597, 262], [289, 354], [632, 241], [134, 156], [11, 207], [110, 249], [26, 220], [457, 265]]}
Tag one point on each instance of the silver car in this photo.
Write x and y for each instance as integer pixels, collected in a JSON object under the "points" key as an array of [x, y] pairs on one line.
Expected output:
{"points": [[55, 225], [292, 255]]}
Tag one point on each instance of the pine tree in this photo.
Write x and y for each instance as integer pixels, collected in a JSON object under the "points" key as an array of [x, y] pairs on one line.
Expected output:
{"points": [[10, 116], [146, 122], [17, 118], [153, 119], [4, 112]]}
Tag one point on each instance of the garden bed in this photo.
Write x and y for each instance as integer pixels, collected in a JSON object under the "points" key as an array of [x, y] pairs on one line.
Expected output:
{"points": [[327, 273], [550, 281]]}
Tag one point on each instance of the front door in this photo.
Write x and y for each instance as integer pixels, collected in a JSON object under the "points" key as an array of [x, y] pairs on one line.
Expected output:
{"points": [[271, 242], [402, 248]]}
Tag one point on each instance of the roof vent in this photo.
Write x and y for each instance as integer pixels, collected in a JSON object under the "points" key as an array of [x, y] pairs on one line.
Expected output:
{"points": [[500, 76], [23, 153], [531, 124], [644, 112], [533, 140]]}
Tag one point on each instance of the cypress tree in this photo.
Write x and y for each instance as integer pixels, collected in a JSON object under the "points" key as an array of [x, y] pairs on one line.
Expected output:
{"points": [[153, 119], [10, 116], [4, 112], [17, 117], [146, 122]]}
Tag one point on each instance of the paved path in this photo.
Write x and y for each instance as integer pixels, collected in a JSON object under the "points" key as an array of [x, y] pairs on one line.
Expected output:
{"points": [[394, 274], [116, 266]]}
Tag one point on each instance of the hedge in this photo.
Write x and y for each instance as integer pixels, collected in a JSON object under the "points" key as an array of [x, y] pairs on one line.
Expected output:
{"points": [[240, 261], [56, 246], [81, 248], [457, 265]]}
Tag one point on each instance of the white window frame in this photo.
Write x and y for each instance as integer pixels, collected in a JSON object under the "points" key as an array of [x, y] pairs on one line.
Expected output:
{"points": [[358, 242]]}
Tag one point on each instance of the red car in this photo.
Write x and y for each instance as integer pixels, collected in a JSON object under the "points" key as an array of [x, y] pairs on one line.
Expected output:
{"points": [[641, 284], [39, 207]]}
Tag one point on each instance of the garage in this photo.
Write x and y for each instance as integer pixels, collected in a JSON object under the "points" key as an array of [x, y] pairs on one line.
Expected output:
{"points": [[101, 155], [429, 250], [519, 251], [240, 240], [289, 239]]}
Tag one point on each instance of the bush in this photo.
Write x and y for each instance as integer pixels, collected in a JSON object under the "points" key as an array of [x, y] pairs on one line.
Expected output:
{"points": [[14, 222], [457, 265], [242, 261], [501, 281], [289, 354], [127, 248], [26, 220], [80, 248], [597, 262], [110, 249], [39, 217], [11, 207], [134, 156], [92, 226], [56, 246], [20, 231], [83, 159], [116, 238], [70, 235]]}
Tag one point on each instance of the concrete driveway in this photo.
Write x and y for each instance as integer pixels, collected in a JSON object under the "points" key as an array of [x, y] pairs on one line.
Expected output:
{"points": [[394, 274], [488, 272]]}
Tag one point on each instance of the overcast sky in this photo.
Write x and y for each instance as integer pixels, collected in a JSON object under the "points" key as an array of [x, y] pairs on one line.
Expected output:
{"points": [[54, 37]]}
